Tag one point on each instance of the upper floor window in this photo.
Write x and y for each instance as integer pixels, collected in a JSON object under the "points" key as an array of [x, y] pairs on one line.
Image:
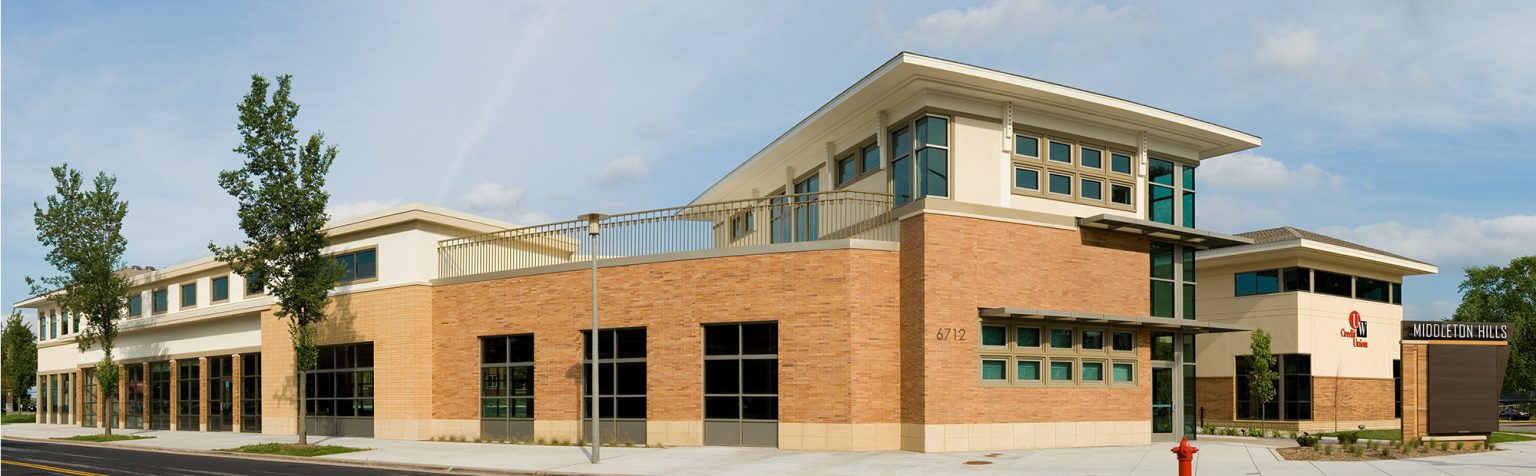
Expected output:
{"points": [[160, 300], [1332, 283], [189, 295], [742, 224], [1372, 290], [1170, 192], [220, 288], [254, 285], [135, 305], [358, 265], [1173, 280], [856, 164], [1070, 170], [920, 159]]}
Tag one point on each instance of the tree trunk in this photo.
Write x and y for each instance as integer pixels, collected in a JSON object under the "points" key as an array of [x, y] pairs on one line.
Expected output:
{"points": [[106, 423], [303, 437]]}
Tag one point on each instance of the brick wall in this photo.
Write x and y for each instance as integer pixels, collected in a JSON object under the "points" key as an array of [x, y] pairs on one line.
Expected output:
{"points": [[835, 308], [1217, 396], [950, 266]]}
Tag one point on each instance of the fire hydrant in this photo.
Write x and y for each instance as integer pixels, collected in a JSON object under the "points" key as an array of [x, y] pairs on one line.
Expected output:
{"points": [[1186, 456]]}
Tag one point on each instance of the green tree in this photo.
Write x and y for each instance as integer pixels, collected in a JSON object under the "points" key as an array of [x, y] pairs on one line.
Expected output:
{"points": [[1261, 371], [282, 198], [83, 230], [18, 358], [1506, 294]]}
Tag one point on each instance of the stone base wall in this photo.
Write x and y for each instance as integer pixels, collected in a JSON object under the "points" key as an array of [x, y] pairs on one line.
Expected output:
{"points": [[1006, 436]]}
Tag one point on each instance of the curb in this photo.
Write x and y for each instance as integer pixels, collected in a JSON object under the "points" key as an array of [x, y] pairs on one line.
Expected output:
{"points": [[307, 459]]}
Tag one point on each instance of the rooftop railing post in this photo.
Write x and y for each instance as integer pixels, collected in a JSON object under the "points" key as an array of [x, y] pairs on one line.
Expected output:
{"points": [[593, 411]]}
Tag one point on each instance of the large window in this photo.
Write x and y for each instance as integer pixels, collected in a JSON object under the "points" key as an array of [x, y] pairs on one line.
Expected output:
{"points": [[341, 385], [621, 383], [1072, 170], [807, 213], [1397, 388], [857, 163], [1293, 390], [87, 399], [221, 393], [1170, 192], [135, 305], [250, 393], [741, 383], [1372, 290], [1024, 354], [220, 286], [189, 295], [920, 156], [188, 404], [161, 299], [1173, 280], [1332, 283], [137, 386], [160, 395], [506, 387], [358, 266]]}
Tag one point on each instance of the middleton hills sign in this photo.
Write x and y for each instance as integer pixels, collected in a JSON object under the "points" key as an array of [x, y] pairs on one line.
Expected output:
{"points": [[1447, 330]]}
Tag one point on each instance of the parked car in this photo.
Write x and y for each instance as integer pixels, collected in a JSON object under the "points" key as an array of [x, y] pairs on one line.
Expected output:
{"points": [[1514, 414]]}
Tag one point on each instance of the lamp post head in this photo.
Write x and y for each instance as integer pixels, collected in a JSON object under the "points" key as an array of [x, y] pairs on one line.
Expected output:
{"points": [[592, 220]]}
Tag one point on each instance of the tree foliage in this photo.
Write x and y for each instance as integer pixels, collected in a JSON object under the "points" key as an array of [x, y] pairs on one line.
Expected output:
{"points": [[83, 231], [18, 357], [1262, 373], [1506, 294], [282, 198]]}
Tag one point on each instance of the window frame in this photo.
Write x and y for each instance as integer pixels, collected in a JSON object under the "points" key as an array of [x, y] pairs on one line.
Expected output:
{"points": [[181, 295], [1044, 355], [213, 297], [914, 151], [1014, 180], [353, 252], [860, 169], [135, 311], [1044, 166], [154, 297]]}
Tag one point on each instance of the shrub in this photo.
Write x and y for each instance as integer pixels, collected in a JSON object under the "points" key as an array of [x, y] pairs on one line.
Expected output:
{"points": [[1458, 446], [1358, 451], [1327, 449], [1349, 437], [1306, 440], [1445, 446], [1256, 432]]}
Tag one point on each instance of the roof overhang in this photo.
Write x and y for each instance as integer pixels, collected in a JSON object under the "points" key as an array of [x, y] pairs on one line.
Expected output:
{"points": [[1146, 322], [875, 92], [1316, 249], [1188, 236]]}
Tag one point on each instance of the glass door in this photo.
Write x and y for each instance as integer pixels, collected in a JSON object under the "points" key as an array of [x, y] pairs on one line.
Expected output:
{"points": [[1162, 402]]}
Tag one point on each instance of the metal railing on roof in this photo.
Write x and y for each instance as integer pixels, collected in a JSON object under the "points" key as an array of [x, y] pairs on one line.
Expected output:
{"points": [[740, 223]]}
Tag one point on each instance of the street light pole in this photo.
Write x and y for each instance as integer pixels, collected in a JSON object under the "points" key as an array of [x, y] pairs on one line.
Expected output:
{"points": [[593, 410]]}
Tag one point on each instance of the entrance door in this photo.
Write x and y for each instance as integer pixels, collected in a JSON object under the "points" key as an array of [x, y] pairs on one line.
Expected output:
{"points": [[1173, 386], [221, 394], [1162, 403]]}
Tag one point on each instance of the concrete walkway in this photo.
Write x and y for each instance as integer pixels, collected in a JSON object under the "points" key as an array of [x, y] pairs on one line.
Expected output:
{"points": [[1216, 457]]}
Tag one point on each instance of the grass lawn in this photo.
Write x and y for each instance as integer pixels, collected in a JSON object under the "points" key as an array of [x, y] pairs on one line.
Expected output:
{"points": [[293, 450], [104, 438], [1395, 435], [18, 418]]}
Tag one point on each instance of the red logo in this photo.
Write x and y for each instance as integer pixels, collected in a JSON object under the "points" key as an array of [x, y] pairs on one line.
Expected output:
{"points": [[1356, 330], [1354, 319]]}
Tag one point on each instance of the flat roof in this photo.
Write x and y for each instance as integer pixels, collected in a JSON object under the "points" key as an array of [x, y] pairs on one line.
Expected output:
{"points": [[1288, 239], [1189, 236]]}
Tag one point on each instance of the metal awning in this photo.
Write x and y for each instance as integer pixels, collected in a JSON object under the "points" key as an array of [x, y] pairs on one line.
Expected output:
{"points": [[1163, 231], [1069, 317]]}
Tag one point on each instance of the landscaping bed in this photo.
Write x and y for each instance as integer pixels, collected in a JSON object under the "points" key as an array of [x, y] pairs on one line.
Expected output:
{"points": [[104, 438], [293, 450], [1378, 451]]}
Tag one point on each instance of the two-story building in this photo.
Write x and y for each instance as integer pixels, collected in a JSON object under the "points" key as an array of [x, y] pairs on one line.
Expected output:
{"points": [[943, 257]]}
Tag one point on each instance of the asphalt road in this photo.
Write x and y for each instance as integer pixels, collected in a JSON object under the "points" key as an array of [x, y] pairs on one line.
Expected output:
{"points": [[19, 458], [1527, 426]]}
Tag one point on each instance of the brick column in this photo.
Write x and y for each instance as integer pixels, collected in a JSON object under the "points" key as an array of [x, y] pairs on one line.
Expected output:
{"points": [[122, 398], [237, 371], [145, 422], [42, 399], [202, 394], [175, 393], [1415, 360]]}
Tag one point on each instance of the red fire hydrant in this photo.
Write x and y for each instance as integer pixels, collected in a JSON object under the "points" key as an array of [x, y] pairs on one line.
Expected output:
{"points": [[1186, 456]]}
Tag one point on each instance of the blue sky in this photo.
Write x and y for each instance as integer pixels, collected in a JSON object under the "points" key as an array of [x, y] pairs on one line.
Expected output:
{"points": [[1403, 125]]}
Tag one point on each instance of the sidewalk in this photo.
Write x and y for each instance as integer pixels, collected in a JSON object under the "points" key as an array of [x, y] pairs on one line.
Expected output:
{"points": [[1231, 457]]}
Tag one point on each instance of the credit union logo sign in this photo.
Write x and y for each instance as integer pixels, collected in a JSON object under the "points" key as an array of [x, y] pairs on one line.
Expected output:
{"points": [[1356, 330]]}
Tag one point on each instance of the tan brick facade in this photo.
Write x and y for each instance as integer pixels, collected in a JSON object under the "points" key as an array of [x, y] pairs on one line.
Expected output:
{"points": [[1337, 403], [1415, 391]]}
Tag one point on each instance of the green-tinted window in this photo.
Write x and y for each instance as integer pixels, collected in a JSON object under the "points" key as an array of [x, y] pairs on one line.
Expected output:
{"points": [[1397, 293], [253, 284], [1189, 210], [1092, 158], [1093, 371], [1026, 178], [1120, 194], [1061, 338], [1189, 178], [1028, 337], [1120, 163], [871, 158], [1061, 152], [1256, 282], [1125, 372], [901, 179], [1092, 189], [994, 335], [1160, 204], [901, 142], [1093, 340], [1026, 145], [221, 288], [933, 131], [1160, 171], [1189, 264], [1061, 184], [1189, 348], [1297, 279], [189, 295], [1029, 370], [1061, 370], [994, 370], [1162, 346], [357, 266], [160, 300], [135, 305], [1162, 260], [1372, 290], [847, 170], [934, 164], [1162, 299], [1189, 301], [1123, 341]]}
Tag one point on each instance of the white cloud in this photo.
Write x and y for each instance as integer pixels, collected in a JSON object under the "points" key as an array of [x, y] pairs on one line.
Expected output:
{"points": [[493, 196], [1251, 172], [624, 170], [999, 20], [1287, 50], [351, 209], [1451, 241]]}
